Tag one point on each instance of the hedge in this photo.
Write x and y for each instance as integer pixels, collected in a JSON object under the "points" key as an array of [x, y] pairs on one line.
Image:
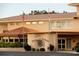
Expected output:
{"points": [[13, 45]]}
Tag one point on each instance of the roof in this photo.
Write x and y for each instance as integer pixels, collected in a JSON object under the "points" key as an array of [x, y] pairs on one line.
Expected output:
{"points": [[74, 4], [40, 17], [18, 31]]}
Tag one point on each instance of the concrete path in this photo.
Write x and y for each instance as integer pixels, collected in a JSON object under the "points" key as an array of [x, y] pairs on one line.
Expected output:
{"points": [[36, 54]]}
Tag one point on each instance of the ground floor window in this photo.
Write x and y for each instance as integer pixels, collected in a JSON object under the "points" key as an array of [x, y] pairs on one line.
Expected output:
{"points": [[16, 40], [61, 43], [6, 40], [21, 40], [68, 43], [3, 40], [10, 40]]}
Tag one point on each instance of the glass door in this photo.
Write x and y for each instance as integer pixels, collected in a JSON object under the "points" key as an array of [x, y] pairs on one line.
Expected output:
{"points": [[61, 43]]}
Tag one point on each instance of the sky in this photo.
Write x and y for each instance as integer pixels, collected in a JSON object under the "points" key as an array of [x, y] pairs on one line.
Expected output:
{"points": [[13, 9]]}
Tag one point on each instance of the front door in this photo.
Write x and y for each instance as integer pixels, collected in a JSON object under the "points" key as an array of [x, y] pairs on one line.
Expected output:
{"points": [[61, 43]]}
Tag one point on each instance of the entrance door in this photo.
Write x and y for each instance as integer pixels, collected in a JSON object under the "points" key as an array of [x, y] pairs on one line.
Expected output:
{"points": [[61, 43]]}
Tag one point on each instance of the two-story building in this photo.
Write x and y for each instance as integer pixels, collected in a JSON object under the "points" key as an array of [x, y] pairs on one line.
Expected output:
{"points": [[60, 29]]}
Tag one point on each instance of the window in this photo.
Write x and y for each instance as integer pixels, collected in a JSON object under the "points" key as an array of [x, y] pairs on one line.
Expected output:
{"points": [[16, 40], [68, 43], [26, 40], [21, 40], [0, 38], [34, 22], [61, 43], [41, 22], [10, 40], [6, 40], [3, 40], [28, 22]]}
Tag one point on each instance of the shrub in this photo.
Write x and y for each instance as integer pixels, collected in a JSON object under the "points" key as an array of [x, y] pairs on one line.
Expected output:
{"points": [[37, 49], [18, 44], [51, 47], [77, 47], [27, 47], [42, 49], [33, 49], [6, 45]]}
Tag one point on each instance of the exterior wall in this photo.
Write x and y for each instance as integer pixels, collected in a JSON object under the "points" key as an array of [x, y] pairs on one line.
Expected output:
{"points": [[52, 40], [3, 27], [70, 26], [39, 27], [77, 10], [14, 25], [74, 41]]}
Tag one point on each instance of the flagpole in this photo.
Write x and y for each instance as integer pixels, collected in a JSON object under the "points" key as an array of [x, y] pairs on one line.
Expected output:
{"points": [[49, 25], [23, 28]]}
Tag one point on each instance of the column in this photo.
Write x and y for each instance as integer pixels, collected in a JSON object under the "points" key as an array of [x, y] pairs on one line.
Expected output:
{"points": [[54, 40]]}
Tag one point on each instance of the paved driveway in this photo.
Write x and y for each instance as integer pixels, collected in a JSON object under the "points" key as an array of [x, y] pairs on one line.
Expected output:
{"points": [[36, 54]]}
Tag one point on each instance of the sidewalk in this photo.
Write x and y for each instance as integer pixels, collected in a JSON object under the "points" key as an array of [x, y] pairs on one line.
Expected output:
{"points": [[73, 52], [12, 49]]}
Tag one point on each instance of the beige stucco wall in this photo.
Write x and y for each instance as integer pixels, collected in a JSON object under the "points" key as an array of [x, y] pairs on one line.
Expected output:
{"points": [[73, 26], [77, 10], [39, 27], [3, 27], [52, 40], [74, 41]]}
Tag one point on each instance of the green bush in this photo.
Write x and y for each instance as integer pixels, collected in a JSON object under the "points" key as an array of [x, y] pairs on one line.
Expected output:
{"points": [[13, 45], [33, 49], [27, 47], [77, 47], [37, 50], [42, 49]]}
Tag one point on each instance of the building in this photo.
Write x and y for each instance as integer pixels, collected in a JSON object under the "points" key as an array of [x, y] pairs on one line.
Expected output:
{"points": [[60, 30]]}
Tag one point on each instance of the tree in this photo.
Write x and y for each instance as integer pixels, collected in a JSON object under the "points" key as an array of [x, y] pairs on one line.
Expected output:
{"points": [[64, 11]]}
